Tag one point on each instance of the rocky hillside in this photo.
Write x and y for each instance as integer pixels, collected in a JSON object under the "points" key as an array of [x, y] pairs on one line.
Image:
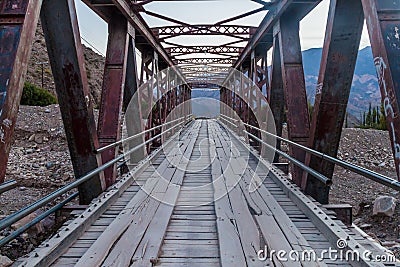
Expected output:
{"points": [[93, 61]]}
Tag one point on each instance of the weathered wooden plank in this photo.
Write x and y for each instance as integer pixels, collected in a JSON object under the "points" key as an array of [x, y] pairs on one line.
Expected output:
{"points": [[98, 252], [141, 242], [230, 245]]}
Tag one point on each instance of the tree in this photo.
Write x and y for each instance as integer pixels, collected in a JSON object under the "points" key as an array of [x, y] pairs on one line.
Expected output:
{"points": [[364, 119], [382, 118], [346, 124], [374, 121], [368, 119], [377, 114], [310, 110]]}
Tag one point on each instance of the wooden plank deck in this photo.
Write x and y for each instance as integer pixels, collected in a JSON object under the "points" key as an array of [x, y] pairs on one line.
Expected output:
{"points": [[190, 205]]}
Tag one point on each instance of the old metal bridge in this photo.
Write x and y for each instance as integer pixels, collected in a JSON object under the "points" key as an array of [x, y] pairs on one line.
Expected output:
{"points": [[161, 187]]}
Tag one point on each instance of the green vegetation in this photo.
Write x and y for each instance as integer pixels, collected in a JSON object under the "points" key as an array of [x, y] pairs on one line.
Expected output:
{"points": [[36, 96], [374, 119]]}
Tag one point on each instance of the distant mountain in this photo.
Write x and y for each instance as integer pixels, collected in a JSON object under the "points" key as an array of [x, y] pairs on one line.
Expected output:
{"points": [[364, 89]]}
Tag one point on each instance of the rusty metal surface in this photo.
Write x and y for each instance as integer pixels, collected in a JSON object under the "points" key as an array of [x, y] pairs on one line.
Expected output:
{"points": [[383, 22], [18, 20], [132, 97], [275, 93], [334, 83], [67, 63], [294, 89], [109, 125]]}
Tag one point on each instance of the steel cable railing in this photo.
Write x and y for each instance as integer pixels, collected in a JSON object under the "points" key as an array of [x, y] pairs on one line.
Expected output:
{"points": [[377, 177], [13, 218]]}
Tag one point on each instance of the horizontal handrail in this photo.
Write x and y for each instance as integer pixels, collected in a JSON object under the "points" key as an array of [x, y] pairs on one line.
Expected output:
{"points": [[309, 170], [40, 217], [231, 123], [235, 120], [9, 220], [102, 149], [8, 186], [377, 177]]}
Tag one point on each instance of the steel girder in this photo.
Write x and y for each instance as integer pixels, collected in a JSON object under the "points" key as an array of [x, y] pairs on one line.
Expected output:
{"points": [[109, 124], [294, 87], [237, 31], [383, 22], [205, 61], [18, 20], [335, 78], [67, 63]]}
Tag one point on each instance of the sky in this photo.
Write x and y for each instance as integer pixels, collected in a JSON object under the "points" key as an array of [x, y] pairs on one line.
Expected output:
{"points": [[312, 28]]}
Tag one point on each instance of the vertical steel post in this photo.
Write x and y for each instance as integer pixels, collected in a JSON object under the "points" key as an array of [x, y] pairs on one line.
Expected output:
{"points": [[133, 116], [18, 20], [298, 120], [383, 21], [109, 124], [339, 55], [60, 27], [275, 93]]}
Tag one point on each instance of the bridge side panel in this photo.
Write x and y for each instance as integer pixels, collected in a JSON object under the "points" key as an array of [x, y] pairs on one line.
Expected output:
{"points": [[62, 36], [18, 21], [109, 126], [294, 87], [383, 21], [342, 40]]}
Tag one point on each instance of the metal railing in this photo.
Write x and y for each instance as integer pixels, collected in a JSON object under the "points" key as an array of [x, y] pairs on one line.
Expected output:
{"points": [[100, 150], [327, 181], [8, 186], [377, 177], [13, 218]]}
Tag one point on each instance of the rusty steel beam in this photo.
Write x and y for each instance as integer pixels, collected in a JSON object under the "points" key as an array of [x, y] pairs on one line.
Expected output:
{"points": [[383, 21], [342, 40], [205, 61], [182, 50], [294, 88], [109, 122], [204, 69], [18, 20], [65, 50], [265, 30], [133, 116], [275, 94], [236, 31], [125, 9]]}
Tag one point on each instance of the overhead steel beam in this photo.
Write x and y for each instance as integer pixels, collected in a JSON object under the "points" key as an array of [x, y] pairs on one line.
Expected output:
{"points": [[124, 7], [18, 22], [236, 31], [339, 55], [266, 27], [60, 27], [205, 61], [203, 49]]}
